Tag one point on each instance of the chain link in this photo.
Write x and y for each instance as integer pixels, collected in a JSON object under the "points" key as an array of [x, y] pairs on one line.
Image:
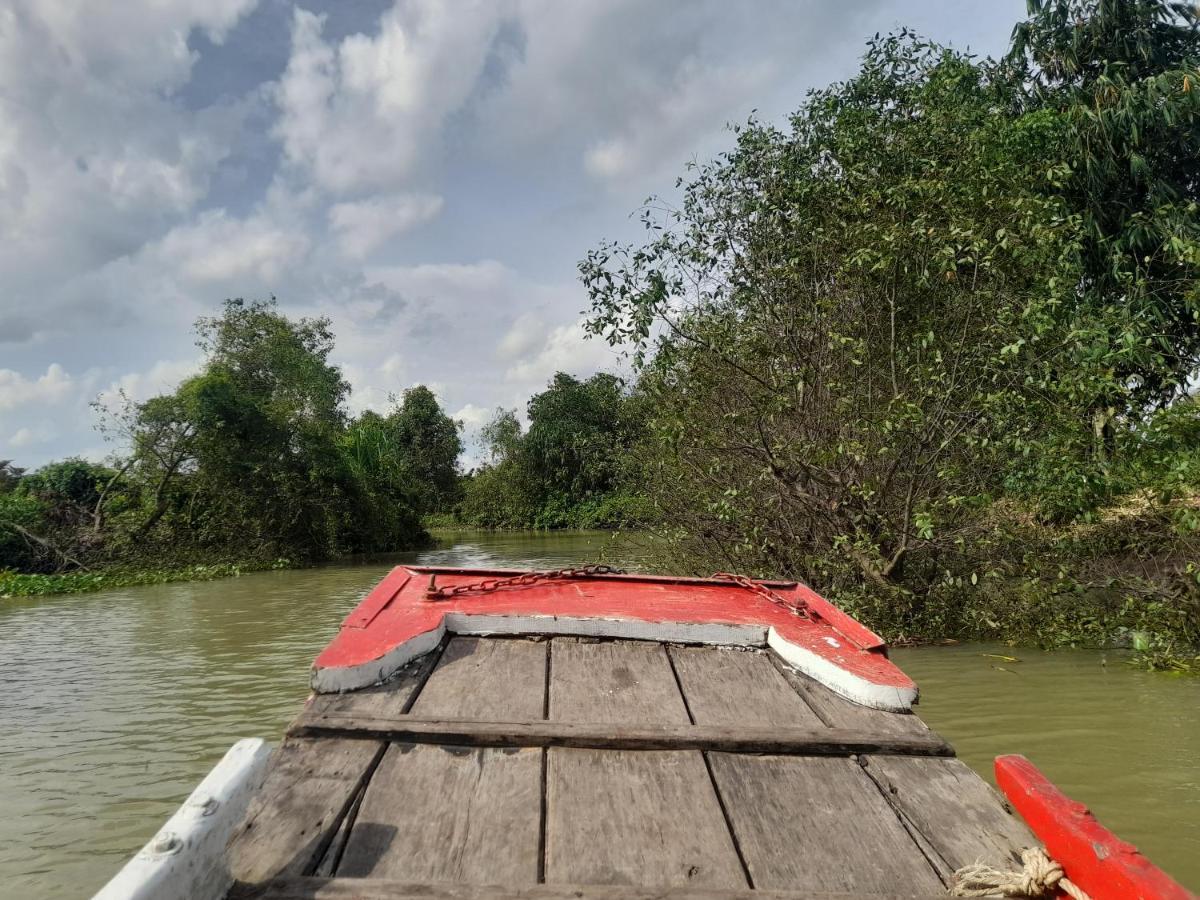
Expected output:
{"points": [[488, 585], [799, 607]]}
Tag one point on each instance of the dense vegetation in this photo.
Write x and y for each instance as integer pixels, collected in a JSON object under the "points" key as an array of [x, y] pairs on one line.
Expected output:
{"points": [[569, 469], [931, 347], [254, 460]]}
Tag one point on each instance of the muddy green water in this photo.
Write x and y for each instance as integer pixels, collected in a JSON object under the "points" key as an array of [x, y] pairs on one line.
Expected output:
{"points": [[116, 704]]}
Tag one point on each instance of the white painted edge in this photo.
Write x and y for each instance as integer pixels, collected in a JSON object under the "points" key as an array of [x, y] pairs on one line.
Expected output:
{"points": [[840, 681], [340, 679], [186, 859], [351, 678], [847, 684], [629, 629]]}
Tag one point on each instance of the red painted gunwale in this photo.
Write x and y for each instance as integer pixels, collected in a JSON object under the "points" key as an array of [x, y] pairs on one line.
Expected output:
{"points": [[830, 645], [1092, 857]]}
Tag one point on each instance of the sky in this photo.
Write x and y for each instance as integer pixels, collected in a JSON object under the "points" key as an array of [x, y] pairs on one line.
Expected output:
{"points": [[426, 174]]}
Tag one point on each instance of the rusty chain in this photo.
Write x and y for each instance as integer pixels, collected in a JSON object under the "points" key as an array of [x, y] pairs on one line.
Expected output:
{"points": [[488, 585], [799, 606]]}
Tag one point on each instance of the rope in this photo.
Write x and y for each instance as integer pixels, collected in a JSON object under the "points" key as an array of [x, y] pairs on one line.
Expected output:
{"points": [[1040, 876]]}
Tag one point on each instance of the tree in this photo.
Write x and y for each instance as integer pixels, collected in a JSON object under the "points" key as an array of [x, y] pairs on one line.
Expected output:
{"points": [[847, 329], [10, 475], [428, 441], [258, 434], [568, 469], [1123, 75]]}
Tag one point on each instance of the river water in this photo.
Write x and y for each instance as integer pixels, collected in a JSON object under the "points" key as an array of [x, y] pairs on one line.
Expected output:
{"points": [[116, 704]]}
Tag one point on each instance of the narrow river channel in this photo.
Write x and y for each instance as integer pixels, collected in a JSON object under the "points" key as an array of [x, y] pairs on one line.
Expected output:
{"points": [[115, 704]]}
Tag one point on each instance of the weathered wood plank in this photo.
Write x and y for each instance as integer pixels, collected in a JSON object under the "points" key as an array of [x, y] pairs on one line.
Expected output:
{"points": [[644, 819], [955, 810], [818, 741], [393, 697], [617, 682], [309, 787], [723, 686], [487, 679], [818, 825], [383, 889], [839, 712], [449, 814]]}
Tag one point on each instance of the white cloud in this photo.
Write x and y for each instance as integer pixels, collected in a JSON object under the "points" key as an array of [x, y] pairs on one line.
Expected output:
{"points": [[161, 378], [49, 389], [219, 247], [25, 437], [524, 335], [667, 127], [96, 154], [359, 115], [363, 226], [566, 348], [473, 417]]}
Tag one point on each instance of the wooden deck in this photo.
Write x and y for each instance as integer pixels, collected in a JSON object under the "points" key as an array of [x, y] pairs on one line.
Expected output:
{"points": [[569, 767]]}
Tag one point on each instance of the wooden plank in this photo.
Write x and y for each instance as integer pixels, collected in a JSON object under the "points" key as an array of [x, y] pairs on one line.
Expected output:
{"points": [[724, 686], [817, 824], [468, 733], [384, 889], [838, 712], [449, 814], [960, 816], [615, 682], [648, 819], [392, 698], [486, 679], [308, 789]]}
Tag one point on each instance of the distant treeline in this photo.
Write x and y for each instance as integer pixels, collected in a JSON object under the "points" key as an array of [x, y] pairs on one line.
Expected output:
{"points": [[256, 460], [572, 468], [253, 459]]}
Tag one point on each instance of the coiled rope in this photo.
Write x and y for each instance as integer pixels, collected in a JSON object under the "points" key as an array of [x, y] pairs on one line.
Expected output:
{"points": [[1040, 876]]}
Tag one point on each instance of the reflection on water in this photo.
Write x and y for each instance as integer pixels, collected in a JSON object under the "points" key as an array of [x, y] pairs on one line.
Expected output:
{"points": [[116, 705]]}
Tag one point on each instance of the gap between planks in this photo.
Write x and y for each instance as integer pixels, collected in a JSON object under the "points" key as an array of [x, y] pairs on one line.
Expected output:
{"points": [[733, 836]]}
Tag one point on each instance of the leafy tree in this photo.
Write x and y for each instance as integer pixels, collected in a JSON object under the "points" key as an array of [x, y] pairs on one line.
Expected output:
{"points": [[1122, 74], [568, 469], [428, 440], [847, 328], [9, 474]]}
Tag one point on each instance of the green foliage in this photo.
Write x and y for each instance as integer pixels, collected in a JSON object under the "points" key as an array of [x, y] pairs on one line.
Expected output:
{"points": [[1123, 75], [428, 440], [21, 514], [569, 470], [14, 584], [9, 475], [253, 458], [951, 290], [850, 320]]}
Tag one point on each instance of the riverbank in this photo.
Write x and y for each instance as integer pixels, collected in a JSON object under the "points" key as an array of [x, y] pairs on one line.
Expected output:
{"points": [[17, 584]]}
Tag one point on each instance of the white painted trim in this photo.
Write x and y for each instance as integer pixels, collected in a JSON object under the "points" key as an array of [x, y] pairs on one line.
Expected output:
{"points": [[839, 680], [339, 679], [629, 629], [186, 859]]}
